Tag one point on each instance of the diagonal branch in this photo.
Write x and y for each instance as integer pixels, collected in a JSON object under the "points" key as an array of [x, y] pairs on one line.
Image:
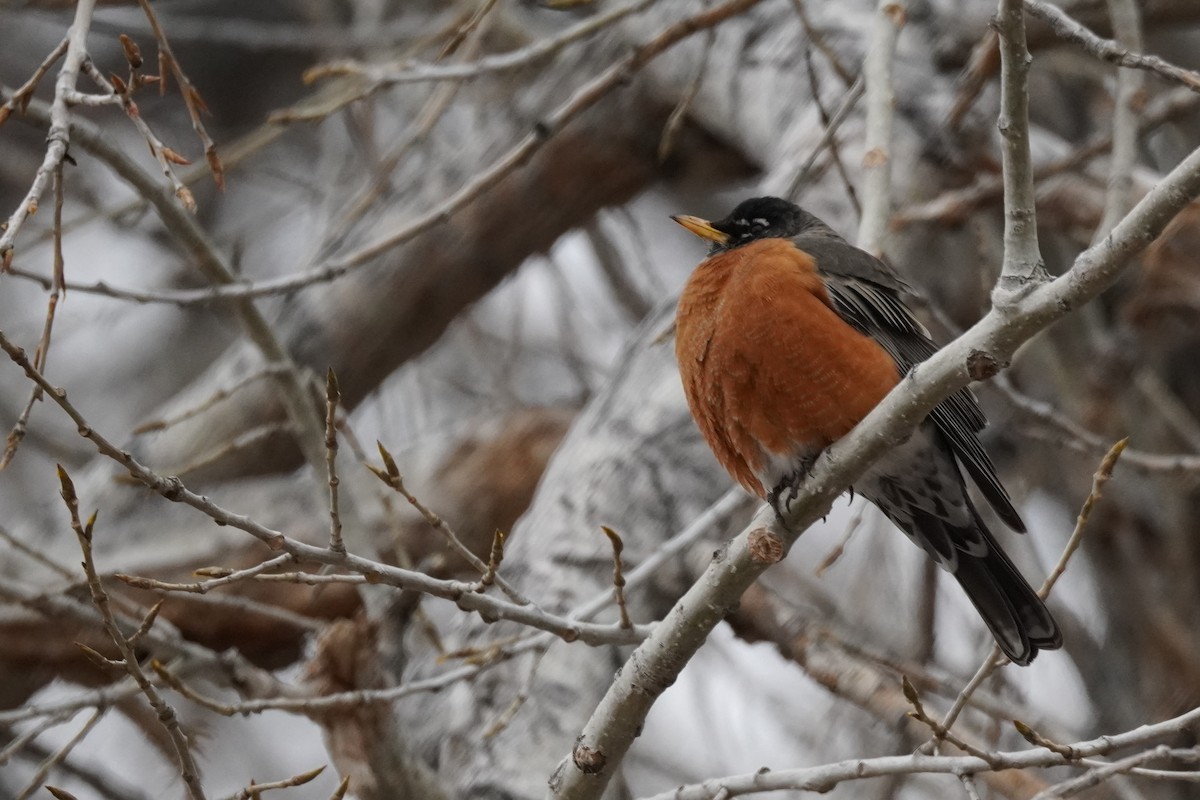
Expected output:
{"points": [[1106, 49], [991, 342], [59, 136]]}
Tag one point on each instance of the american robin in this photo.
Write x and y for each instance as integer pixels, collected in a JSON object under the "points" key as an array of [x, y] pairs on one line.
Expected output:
{"points": [[787, 336]]}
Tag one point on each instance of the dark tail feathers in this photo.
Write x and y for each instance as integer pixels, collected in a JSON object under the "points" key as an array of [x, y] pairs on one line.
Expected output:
{"points": [[1016, 616]]}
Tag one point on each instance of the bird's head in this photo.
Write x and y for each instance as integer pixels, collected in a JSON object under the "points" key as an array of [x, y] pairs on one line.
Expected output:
{"points": [[753, 219]]}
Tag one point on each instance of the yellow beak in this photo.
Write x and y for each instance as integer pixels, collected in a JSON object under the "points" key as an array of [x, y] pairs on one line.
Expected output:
{"points": [[702, 228]]}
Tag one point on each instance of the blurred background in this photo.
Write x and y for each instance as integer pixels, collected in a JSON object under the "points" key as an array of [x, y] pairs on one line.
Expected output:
{"points": [[461, 208]]}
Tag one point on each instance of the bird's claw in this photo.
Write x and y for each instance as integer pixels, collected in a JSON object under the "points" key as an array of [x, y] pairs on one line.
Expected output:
{"points": [[788, 489]]}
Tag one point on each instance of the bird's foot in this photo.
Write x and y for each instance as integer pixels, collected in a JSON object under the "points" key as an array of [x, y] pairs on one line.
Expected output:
{"points": [[787, 491]]}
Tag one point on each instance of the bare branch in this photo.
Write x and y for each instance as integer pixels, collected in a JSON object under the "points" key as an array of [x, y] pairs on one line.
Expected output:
{"points": [[1023, 268], [381, 76], [191, 97], [332, 397], [608, 734], [166, 714], [43, 770], [390, 474], [1107, 50], [827, 776], [1127, 108], [618, 578], [60, 125], [890, 18]]}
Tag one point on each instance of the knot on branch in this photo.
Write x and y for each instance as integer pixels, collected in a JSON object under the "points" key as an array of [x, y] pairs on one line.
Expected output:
{"points": [[766, 546], [982, 365], [590, 760]]}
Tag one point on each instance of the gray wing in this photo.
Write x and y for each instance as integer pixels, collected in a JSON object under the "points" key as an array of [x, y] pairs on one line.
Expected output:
{"points": [[866, 293]]}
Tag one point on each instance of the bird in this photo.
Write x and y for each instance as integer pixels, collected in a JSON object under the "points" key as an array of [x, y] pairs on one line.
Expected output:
{"points": [[787, 336]]}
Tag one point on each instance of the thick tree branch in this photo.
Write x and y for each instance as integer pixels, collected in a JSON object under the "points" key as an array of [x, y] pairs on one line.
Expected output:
{"points": [[876, 190], [1023, 267], [993, 340]]}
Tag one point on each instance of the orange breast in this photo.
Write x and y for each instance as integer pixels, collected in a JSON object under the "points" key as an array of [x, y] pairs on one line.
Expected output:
{"points": [[769, 368]]}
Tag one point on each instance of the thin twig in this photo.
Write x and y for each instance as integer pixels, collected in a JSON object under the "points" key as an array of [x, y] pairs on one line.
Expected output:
{"points": [[954, 205], [466, 29], [254, 790], [968, 784], [495, 654], [40, 356], [993, 659], [390, 475], [20, 98], [940, 732], [36, 555], [495, 558], [165, 713], [1127, 25], [332, 397], [381, 76], [981, 65], [816, 36], [826, 777], [618, 74], [840, 115], [1107, 50], [523, 694], [292, 386], [1101, 477], [56, 758], [58, 138], [20, 741], [221, 394], [1078, 438], [835, 154], [674, 123], [1098, 775], [172, 488], [618, 578], [246, 440], [423, 124], [857, 515], [224, 577], [167, 158], [191, 97]]}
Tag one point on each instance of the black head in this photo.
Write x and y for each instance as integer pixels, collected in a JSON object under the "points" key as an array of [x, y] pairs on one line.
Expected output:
{"points": [[753, 219]]}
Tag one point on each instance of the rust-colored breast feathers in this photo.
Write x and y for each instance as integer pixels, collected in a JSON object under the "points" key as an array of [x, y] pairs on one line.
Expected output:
{"points": [[769, 368]]}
